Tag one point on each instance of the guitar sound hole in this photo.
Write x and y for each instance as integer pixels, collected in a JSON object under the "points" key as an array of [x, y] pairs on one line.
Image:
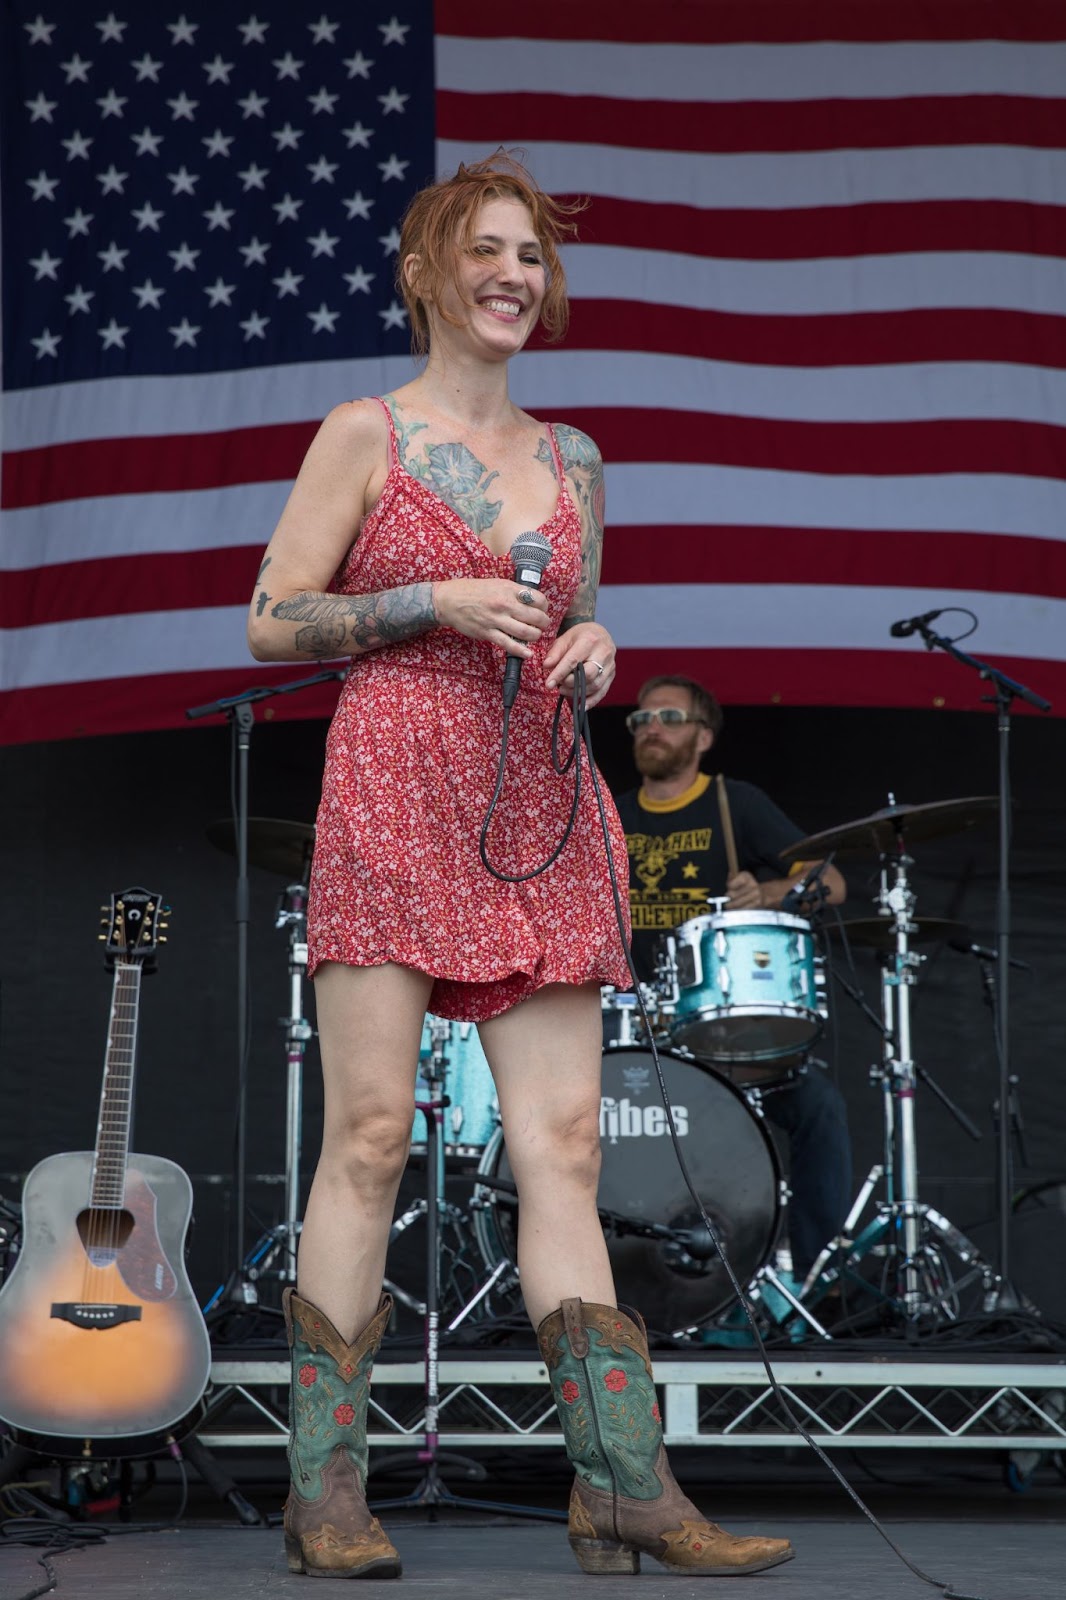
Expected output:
{"points": [[103, 1232]]}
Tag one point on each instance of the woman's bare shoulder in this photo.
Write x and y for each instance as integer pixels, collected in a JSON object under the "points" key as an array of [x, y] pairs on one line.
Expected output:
{"points": [[357, 423]]}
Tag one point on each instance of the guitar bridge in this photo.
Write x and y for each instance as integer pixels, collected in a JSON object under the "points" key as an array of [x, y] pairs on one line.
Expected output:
{"points": [[94, 1315]]}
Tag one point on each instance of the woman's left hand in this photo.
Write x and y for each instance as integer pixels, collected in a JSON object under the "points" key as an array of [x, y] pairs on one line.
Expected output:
{"points": [[590, 644]]}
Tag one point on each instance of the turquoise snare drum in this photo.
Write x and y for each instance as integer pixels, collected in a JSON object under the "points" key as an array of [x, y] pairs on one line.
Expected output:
{"points": [[474, 1113], [746, 988]]}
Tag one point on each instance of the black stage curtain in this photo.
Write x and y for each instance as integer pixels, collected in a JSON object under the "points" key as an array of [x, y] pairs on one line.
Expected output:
{"points": [[83, 818]]}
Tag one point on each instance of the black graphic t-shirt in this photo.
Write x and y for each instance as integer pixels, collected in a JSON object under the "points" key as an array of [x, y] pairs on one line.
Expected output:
{"points": [[677, 858]]}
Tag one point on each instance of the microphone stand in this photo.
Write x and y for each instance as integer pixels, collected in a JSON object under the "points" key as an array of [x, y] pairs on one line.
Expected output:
{"points": [[1004, 1296], [239, 710]]}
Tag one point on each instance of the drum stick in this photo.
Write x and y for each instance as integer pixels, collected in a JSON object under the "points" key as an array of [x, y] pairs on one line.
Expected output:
{"points": [[727, 827]]}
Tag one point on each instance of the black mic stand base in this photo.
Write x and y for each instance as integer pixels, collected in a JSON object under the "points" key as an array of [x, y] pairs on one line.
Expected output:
{"points": [[431, 1492]]}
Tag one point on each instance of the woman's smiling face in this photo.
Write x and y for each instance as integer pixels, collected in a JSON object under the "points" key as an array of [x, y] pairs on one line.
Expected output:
{"points": [[499, 285]]}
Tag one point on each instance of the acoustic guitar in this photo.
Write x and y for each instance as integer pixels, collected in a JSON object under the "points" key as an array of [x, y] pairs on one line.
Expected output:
{"points": [[100, 1335]]}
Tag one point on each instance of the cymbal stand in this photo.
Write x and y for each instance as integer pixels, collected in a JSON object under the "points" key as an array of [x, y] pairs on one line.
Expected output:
{"points": [[920, 1286], [281, 1241]]}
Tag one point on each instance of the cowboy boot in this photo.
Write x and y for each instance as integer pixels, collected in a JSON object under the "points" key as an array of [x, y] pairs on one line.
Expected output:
{"points": [[329, 1530], [625, 1499]]}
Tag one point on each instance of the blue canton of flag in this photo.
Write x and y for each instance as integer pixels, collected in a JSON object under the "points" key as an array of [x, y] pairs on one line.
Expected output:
{"points": [[209, 189]]}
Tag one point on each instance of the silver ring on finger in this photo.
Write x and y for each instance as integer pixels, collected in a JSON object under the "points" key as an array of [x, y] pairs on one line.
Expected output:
{"points": [[599, 667], [525, 597]]}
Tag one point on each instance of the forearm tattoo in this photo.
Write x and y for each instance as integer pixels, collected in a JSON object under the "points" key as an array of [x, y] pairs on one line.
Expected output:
{"points": [[583, 465], [350, 624], [264, 599]]}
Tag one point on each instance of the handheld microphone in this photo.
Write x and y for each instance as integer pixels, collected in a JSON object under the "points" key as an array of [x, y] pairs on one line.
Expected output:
{"points": [[530, 554], [904, 629], [983, 953]]}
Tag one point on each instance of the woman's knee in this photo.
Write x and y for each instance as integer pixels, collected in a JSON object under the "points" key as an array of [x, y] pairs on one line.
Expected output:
{"points": [[369, 1149], [566, 1151]]}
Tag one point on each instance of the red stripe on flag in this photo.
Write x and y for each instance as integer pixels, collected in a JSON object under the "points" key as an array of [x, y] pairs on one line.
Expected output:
{"points": [[717, 554], [165, 464], [768, 21], [738, 677], [125, 585], [861, 449], [711, 554], [838, 678], [746, 127], [144, 701], [821, 232], [623, 433], [853, 339]]}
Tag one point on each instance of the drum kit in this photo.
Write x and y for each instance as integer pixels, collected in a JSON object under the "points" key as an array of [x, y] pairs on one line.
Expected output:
{"points": [[738, 1002]]}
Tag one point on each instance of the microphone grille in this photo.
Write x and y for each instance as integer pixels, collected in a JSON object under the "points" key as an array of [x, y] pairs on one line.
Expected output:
{"points": [[532, 549]]}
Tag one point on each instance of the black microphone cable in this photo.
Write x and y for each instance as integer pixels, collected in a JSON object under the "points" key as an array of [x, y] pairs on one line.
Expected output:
{"points": [[582, 737]]}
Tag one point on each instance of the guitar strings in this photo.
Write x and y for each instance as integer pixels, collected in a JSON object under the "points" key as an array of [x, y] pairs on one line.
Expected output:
{"points": [[105, 1220]]}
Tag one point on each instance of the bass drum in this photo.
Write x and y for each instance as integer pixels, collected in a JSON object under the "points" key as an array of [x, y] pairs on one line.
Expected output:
{"points": [[733, 1166]]}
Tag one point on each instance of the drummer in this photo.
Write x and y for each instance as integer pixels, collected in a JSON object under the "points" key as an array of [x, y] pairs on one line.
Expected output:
{"points": [[677, 862]]}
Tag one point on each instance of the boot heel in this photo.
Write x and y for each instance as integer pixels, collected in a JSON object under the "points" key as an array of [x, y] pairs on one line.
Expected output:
{"points": [[294, 1554], [604, 1555]]}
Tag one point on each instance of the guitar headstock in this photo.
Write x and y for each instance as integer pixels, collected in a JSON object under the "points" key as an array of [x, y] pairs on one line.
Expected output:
{"points": [[134, 926]]}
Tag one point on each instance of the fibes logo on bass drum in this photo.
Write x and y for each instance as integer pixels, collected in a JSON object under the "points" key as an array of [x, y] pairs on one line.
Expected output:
{"points": [[621, 1119]]}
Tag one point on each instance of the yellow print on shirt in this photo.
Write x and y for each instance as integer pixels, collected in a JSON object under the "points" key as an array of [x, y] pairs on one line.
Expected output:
{"points": [[651, 853]]}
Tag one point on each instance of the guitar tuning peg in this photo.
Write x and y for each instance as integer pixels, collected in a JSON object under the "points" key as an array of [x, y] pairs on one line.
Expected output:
{"points": [[162, 939]]}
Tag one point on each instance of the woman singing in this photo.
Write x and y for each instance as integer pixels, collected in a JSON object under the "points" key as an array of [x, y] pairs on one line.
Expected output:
{"points": [[394, 549]]}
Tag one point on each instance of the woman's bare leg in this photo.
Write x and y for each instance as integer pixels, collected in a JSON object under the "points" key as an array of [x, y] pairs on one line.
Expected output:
{"points": [[369, 1029], [545, 1057]]}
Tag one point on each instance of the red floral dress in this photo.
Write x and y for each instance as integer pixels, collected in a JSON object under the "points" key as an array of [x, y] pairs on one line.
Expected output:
{"points": [[410, 768]]}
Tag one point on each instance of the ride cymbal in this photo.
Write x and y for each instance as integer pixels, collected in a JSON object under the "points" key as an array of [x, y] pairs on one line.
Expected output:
{"points": [[877, 933], [273, 843], [880, 831]]}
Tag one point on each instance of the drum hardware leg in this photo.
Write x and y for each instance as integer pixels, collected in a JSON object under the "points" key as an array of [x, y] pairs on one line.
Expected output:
{"points": [[501, 1270], [768, 1275], [292, 914], [845, 1239]]}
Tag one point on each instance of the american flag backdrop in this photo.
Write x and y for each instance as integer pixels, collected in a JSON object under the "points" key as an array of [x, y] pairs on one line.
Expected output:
{"points": [[818, 323]]}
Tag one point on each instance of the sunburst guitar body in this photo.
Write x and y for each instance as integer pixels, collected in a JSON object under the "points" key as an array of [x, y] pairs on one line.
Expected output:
{"points": [[100, 1334]]}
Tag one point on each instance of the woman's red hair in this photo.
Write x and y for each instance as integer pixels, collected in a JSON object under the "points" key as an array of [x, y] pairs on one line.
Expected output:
{"points": [[438, 227]]}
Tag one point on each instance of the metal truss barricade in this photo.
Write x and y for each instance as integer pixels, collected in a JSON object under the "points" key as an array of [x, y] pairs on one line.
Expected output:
{"points": [[877, 1403]]}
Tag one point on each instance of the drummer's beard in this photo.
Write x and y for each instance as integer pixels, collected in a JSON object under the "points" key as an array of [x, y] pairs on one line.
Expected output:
{"points": [[663, 761]]}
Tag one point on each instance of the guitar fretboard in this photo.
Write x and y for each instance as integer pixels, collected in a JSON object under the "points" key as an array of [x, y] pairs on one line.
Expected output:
{"points": [[116, 1095]]}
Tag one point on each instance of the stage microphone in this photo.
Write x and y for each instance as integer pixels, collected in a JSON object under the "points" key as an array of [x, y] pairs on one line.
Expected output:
{"points": [[983, 953], [909, 625], [530, 554], [795, 897]]}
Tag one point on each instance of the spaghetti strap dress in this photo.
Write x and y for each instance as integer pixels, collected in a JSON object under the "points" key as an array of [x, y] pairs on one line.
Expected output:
{"points": [[410, 768]]}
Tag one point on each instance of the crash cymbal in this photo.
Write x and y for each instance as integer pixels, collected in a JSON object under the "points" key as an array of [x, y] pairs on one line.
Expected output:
{"points": [[273, 843], [877, 933], [880, 831]]}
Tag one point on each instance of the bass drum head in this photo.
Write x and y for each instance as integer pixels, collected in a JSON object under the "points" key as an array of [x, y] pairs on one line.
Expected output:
{"points": [[733, 1167]]}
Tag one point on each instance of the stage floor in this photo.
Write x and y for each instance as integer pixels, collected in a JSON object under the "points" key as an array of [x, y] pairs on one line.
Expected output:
{"points": [[968, 1532], [498, 1561]]}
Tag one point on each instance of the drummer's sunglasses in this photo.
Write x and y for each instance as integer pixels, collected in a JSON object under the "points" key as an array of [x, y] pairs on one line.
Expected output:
{"points": [[667, 716]]}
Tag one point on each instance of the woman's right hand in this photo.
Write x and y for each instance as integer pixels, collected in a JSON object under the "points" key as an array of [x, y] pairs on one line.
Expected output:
{"points": [[497, 610]]}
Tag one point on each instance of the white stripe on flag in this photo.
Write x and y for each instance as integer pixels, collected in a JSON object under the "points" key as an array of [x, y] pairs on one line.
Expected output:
{"points": [[795, 616], [909, 281], [552, 383], [776, 181], [639, 494], [746, 73]]}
